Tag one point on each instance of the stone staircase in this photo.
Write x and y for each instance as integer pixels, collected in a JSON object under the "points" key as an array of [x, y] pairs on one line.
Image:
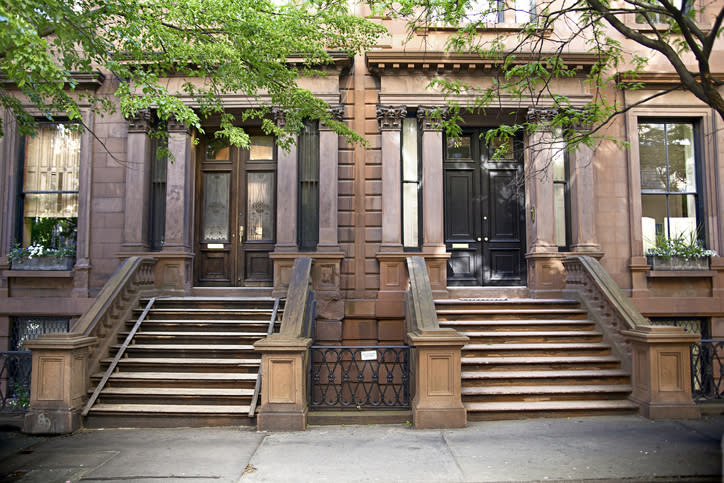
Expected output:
{"points": [[191, 363], [534, 358]]}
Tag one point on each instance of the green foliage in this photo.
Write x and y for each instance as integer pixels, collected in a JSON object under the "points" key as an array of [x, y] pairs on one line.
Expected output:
{"points": [[48, 236], [529, 63], [216, 47], [680, 246]]}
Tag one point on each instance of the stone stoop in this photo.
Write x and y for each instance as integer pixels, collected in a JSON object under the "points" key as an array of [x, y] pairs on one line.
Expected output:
{"points": [[534, 358], [191, 363]]}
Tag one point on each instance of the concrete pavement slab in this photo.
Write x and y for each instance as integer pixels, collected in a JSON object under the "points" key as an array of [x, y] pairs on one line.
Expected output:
{"points": [[353, 453]]}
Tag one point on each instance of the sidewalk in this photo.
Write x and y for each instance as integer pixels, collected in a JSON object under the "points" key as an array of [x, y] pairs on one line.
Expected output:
{"points": [[573, 449]]}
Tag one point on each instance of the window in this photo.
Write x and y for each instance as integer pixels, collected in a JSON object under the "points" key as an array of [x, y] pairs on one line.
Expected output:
{"points": [[655, 17], [28, 328], [308, 219], [47, 212], [157, 216], [410, 184], [499, 11], [669, 194], [561, 195]]}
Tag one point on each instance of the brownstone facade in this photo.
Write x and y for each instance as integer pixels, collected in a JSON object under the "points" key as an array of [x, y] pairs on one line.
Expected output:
{"points": [[359, 273]]}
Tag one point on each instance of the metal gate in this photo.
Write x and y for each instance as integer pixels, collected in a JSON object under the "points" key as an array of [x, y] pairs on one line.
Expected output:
{"points": [[359, 377]]}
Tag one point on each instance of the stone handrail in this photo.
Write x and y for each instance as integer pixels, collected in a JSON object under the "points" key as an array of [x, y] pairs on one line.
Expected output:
{"points": [[420, 315], [299, 307], [589, 282], [113, 305]]}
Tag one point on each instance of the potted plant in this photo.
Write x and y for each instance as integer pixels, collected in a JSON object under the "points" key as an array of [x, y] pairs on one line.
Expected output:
{"points": [[679, 253], [52, 246]]}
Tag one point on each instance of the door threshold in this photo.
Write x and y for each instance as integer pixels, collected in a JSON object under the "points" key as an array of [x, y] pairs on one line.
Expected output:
{"points": [[231, 292], [513, 292]]}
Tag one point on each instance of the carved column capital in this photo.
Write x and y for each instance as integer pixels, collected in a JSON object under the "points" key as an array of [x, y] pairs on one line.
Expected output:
{"points": [[280, 116], [336, 112], [431, 118], [541, 115], [141, 121], [175, 126], [390, 117]]}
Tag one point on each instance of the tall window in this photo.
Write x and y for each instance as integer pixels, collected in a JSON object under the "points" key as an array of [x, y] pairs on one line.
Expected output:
{"points": [[662, 18], [410, 184], [669, 193], [48, 201], [500, 11], [308, 219], [561, 195], [157, 217]]}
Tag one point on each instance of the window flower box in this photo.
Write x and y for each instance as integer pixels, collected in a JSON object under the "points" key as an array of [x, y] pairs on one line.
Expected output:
{"points": [[678, 263], [44, 262]]}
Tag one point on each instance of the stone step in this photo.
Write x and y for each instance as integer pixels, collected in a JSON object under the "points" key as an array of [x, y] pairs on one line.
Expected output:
{"points": [[493, 303], [186, 364], [189, 409], [547, 389], [200, 324], [519, 337], [179, 379], [480, 411], [539, 363], [192, 337], [176, 395], [532, 378], [536, 349], [519, 325], [243, 351], [509, 314]]}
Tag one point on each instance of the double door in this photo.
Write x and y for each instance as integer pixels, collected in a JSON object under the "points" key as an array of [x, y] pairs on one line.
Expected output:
{"points": [[484, 211], [235, 213]]}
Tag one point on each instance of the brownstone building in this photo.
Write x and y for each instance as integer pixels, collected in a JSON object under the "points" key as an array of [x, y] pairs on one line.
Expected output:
{"points": [[501, 238]]}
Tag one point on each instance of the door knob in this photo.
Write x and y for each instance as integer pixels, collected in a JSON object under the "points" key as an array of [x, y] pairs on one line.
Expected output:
{"points": [[241, 233], [478, 238], [485, 239]]}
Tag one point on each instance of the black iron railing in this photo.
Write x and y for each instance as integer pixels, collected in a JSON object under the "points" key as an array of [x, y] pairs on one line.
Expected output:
{"points": [[359, 377], [15, 372], [707, 364]]}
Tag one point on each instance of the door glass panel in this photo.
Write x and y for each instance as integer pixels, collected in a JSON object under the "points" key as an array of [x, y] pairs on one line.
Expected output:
{"points": [[559, 206], [260, 206], [459, 148], [217, 150], [410, 216], [216, 208], [262, 147]]}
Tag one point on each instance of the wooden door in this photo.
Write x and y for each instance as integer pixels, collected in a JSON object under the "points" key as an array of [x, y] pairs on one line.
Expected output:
{"points": [[235, 214], [484, 213]]}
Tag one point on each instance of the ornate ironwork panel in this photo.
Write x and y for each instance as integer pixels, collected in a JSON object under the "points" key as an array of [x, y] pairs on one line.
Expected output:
{"points": [[27, 328], [15, 369], [707, 361], [359, 377]]}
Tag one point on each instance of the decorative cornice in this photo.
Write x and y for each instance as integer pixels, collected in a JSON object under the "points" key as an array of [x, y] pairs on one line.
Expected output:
{"points": [[394, 62], [430, 122], [83, 80], [141, 121], [336, 112], [390, 117]]}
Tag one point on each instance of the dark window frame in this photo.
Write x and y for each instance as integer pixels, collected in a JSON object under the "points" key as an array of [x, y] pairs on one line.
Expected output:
{"points": [[418, 181], [308, 184]]}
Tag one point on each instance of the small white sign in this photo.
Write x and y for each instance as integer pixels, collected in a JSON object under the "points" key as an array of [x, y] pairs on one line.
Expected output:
{"points": [[369, 355], [215, 246]]}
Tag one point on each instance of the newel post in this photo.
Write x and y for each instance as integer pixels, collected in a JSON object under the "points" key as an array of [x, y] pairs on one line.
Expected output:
{"points": [[283, 358], [437, 401], [58, 383], [662, 372]]}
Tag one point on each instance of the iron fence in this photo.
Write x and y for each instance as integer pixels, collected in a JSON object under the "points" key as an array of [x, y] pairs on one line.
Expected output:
{"points": [[15, 381], [707, 361], [359, 377]]}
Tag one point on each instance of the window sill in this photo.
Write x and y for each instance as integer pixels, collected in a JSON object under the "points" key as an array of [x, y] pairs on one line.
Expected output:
{"points": [[37, 273]]}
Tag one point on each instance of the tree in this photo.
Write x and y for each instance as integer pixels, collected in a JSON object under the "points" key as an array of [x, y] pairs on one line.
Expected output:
{"points": [[218, 47], [620, 37]]}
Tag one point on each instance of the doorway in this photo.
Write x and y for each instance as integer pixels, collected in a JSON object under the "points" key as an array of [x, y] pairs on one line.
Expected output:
{"points": [[235, 213], [484, 211]]}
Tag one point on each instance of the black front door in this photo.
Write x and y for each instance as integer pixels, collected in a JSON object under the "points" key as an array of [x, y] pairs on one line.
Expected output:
{"points": [[484, 212]]}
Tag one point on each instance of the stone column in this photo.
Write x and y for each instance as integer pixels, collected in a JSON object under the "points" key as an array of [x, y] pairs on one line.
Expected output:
{"points": [[286, 194], [662, 372], [390, 122], [174, 271], [136, 209], [432, 183], [59, 383], [328, 177], [540, 183], [583, 206]]}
